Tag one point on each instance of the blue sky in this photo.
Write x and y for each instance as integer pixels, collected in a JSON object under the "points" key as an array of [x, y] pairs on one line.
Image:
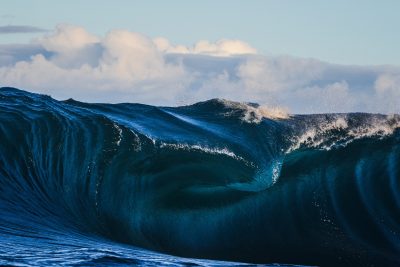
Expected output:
{"points": [[345, 32]]}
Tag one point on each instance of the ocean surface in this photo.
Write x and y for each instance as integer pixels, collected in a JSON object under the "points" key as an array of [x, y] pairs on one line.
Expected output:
{"points": [[217, 183]]}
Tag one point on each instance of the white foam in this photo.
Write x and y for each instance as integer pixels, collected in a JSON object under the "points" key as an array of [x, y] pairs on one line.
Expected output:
{"points": [[313, 137], [276, 171], [319, 135], [136, 145], [119, 130], [209, 150], [255, 114], [377, 128]]}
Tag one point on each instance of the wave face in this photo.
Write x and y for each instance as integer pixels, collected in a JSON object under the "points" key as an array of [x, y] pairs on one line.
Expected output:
{"points": [[216, 180]]}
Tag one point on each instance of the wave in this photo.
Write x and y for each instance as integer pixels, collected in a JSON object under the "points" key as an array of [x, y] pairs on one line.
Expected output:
{"points": [[216, 180]]}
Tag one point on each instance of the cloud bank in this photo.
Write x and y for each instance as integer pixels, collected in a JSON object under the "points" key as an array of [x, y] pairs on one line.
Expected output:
{"points": [[19, 29], [125, 66]]}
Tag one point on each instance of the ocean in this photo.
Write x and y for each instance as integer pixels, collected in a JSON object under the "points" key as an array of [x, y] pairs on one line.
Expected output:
{"points": [[216, 183]]}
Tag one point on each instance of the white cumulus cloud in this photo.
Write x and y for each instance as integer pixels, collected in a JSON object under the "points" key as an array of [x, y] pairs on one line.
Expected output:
{"points": [[125, 66], [221, 48], [67, 37]]}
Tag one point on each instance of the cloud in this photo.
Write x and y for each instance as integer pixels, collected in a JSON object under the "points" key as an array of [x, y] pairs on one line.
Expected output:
{"points": [[8, 29], [388, 83], [221, 48], [66, 38], [387, 90], [11, 54], [125, 66]]}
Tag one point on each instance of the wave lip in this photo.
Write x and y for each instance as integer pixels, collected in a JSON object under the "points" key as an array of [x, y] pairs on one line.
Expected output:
{"points": [[217, 180]]}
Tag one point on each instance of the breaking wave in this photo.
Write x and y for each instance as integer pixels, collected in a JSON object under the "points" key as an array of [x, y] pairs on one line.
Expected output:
{"points": [[217, 180]]}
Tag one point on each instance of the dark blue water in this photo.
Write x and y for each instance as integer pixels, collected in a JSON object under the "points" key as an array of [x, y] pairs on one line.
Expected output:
{"points": [[129, 184]]}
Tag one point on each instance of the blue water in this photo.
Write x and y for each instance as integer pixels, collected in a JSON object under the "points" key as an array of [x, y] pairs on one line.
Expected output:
{"points": [[216, 183]]}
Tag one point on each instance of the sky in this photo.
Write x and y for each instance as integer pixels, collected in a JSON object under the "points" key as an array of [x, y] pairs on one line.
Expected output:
{"points": [[347, 32], [307, 56]]}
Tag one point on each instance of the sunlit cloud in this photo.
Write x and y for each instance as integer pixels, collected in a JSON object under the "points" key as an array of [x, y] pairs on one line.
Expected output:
{"points": [[125, 66]]}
